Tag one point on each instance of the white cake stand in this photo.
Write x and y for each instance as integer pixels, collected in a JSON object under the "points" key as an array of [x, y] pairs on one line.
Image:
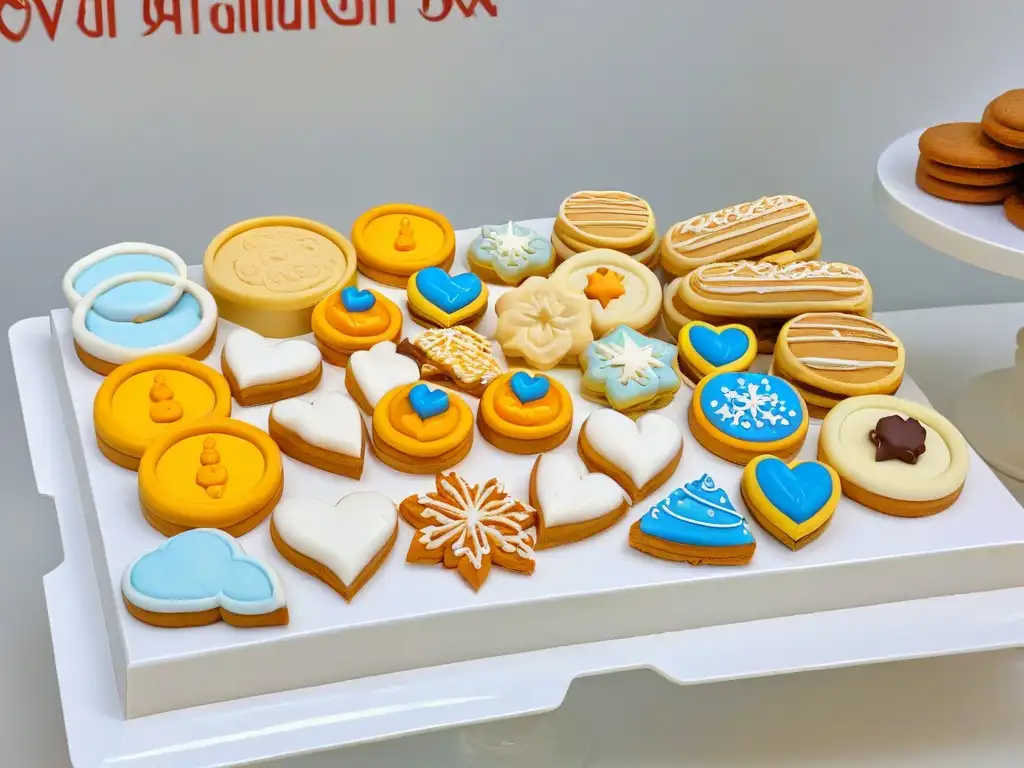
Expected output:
{"points": [[990, 411]]}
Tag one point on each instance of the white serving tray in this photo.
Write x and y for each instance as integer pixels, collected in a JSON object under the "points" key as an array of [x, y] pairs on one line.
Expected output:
{"points": [[951, 557]]}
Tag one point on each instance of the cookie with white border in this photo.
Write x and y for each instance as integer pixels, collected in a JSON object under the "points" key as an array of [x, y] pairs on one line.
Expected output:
{"points": [[325, 431], [343, 544], [639, 455], [572, 504], [261, 370]]}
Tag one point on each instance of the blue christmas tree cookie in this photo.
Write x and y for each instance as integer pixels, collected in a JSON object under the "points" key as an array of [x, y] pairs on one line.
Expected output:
{"points": [[696, 524], [629, 371]]}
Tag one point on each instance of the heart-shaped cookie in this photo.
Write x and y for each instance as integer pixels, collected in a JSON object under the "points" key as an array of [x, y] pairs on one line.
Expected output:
{"points": [[330, 420], [372, 373], [705, 349], [639, 455], [571, 502], [448, 293], [793, 502], [256, 361], [341, 544]]}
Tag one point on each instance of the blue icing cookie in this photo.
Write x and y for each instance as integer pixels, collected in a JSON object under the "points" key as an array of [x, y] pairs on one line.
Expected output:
{"points": [[448, 293], [753, 407], [513, 251], [798, 493], [198, 570], [427, 402], [183, 318], [719, 347], [355, 300], [700, 514], [630, 368], [528, 388], [129, 300]]}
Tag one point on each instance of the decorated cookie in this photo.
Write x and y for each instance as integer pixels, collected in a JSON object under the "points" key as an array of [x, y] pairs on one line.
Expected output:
{"points": [[510, 253], [543, 323], [325, 431], [141, 400], [200, 577], [269, 273], [621, 290], [828, 356], [748, 231], [120, 259], [738, 416], [133, 314], [342, 544], [705, 349], [793, 502], [629, 371], [393, 241], [213, 473], [421, 429], [469, 528], [262, 371], [371, 374], [696, 524], [523, 412], [894, 456], [439, 299], [459, 355], [351, 319], [639, 455], [605, 219], [572, 504]]}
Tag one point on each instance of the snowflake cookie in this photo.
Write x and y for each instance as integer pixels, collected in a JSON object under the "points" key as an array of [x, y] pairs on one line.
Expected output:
{"points": [[630, 371], [738, 416], [469, 527]]}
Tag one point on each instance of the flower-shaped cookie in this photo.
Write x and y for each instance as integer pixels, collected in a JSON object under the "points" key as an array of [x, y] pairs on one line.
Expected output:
{"points": [[543, 323], [629, 370]]}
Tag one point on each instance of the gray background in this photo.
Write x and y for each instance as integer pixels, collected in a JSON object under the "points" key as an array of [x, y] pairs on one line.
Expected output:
{"points": [[693, 105]]}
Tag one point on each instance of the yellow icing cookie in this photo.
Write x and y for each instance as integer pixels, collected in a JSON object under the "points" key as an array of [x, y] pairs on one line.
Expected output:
{"points": [[419, 427], [393, 241], [523, 412], [350, 320]]}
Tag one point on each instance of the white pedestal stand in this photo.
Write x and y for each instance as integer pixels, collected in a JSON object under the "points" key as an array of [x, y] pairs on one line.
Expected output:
{"points": [[990, 411]]}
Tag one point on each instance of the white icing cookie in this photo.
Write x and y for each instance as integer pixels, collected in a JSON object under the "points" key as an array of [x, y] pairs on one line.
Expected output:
{"points": [[571, 502], [342, 545], [378, 370], [256, 361], [634, 453], [330, 420]]}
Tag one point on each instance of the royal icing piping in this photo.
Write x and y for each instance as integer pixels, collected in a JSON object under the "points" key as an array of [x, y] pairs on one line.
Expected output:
{"points": [[765, 277], [466, 353], [751, 406], [543, 324], [199, 570], [630, 366], [330, 420], [192, 321], [568, 494], [698, 514], [470, 519], [640, 448], [512, 250], [255, 361], [736, 221], [122, 258], [345, 537], [847, 334], [607, 209], [380, 369]]}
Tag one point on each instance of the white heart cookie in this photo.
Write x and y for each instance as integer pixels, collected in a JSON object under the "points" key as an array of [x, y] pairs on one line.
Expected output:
{"points": [[344, 537], [255, 361], [641, 448], [380, 369], [331, 421], [568, 494]]}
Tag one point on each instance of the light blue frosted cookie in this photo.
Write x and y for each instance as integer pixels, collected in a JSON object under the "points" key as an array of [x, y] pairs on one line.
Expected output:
{"points": [[630, 371], [510, 253]]}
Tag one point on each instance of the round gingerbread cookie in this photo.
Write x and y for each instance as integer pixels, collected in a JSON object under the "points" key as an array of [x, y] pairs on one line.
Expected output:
{"points": [[894, 456], [971, 177], [961, 193], [966, 145], [1014, 207], [1004, 119]]}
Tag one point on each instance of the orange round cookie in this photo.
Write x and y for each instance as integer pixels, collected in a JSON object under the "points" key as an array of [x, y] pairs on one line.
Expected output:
{"points": [[1014, 207], [350, 320], [1004, 118], [420, 429], [961, 193], [966, 145], [972, 177], [394, 241], [213, 473], [525, 413], [141, 400]]}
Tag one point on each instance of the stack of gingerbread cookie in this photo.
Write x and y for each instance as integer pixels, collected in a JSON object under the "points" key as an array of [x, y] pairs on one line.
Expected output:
{"points": [[620, 221], [980, 163]]}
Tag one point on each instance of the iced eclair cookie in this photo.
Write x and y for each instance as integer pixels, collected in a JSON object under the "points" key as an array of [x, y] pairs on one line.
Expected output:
{"points": [[793, 502], [421, 429], [525, 413], [324, 431], [893, 455], [262, 371], [629, 371], [351, 319], [543, 323], [439, 299], [510, 253], [738, 416]]}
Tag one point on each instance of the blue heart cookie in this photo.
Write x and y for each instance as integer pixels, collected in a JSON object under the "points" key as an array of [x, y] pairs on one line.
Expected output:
{"points": [[792, 501], [448, 293], [355, 300], [528, 388], [707, 349], [427, 402]]}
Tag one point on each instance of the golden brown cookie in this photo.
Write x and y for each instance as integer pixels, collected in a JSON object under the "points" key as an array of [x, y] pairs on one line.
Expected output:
{"points": [[1015, 210], [961, 193], [971, 177], [1004, 118], [966, 145]]}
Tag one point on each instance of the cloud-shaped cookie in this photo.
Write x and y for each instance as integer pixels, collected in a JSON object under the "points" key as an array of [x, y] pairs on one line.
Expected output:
{"points": [[200, 570]]}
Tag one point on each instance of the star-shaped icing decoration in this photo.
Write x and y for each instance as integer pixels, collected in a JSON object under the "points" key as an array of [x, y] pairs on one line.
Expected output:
{"points": [[634, 361], [507, 244], [604, 285], [629, 368]]}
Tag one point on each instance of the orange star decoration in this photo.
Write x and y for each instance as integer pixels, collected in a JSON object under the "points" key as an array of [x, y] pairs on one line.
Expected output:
{"points": [[604, 285], [468, 527]]}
